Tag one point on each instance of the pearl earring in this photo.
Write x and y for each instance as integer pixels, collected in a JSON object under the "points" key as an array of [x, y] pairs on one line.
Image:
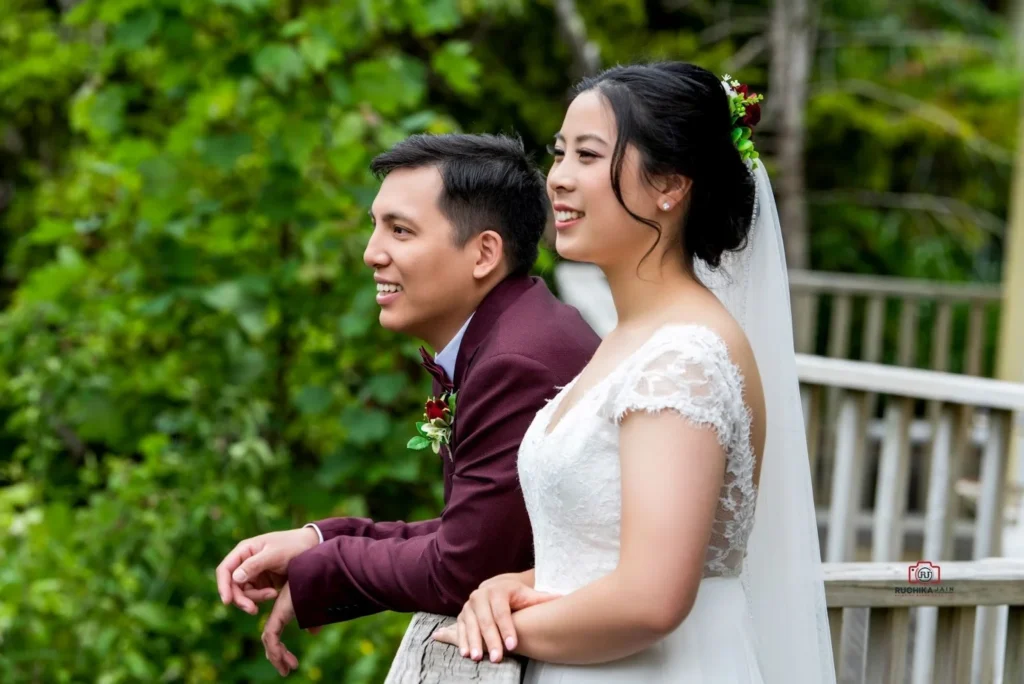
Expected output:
{"points": [[665, 206]]}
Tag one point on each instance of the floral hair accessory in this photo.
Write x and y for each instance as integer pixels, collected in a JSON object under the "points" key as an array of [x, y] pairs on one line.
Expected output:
{"points": [[745, 109]]}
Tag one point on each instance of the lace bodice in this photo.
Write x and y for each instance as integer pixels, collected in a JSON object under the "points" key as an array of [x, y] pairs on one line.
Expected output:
{"points": [[570, 475]]}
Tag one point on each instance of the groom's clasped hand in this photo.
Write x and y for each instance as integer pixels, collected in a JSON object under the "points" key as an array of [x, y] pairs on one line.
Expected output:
{"points": [[255, 571]]}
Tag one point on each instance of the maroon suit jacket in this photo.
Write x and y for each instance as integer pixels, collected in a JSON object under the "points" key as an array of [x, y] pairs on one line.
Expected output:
{"points": [[521, 344]]}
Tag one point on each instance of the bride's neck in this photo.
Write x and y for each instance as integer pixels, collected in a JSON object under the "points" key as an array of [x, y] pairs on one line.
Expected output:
{"points": [[641, 293]]}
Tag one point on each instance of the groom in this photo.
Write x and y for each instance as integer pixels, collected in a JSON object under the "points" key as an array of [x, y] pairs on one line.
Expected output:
{"points": [[457, 222]]}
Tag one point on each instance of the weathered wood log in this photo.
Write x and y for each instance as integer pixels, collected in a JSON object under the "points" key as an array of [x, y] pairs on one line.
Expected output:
{"points": [[421, 660]]}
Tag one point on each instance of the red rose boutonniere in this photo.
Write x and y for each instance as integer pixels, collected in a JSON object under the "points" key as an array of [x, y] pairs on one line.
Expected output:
{"points": [[436, 427]]}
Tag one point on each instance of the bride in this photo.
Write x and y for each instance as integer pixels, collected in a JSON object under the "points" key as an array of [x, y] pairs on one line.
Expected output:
{"points": [[668, 484]]}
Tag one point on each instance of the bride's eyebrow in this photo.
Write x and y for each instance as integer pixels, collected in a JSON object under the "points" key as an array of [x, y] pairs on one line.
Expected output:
{"points": [[582, 138]]}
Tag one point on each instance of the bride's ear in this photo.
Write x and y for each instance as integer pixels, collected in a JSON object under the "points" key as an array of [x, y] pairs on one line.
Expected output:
{"points": [[673, 191]]}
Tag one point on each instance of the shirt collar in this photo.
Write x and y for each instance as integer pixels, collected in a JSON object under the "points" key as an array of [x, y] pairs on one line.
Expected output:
{"points": [[446, 357]]}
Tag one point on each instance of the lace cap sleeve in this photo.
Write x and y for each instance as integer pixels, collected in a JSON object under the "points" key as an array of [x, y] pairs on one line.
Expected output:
{"points": [[685, 369]]}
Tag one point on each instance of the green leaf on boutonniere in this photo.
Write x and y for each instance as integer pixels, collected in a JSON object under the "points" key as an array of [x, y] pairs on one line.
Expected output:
{"points": [[418, 443]]}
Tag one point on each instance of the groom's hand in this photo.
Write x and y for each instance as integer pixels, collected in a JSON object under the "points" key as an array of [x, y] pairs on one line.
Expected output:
{"points": [[283, 660], [256, 568]]}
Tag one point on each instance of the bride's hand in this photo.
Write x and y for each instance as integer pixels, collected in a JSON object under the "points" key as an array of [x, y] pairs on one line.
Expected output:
{"points": [[486, 618]]}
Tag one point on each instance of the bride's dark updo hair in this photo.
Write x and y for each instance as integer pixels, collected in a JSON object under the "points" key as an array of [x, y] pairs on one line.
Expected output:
{"points": [[677, 116]]}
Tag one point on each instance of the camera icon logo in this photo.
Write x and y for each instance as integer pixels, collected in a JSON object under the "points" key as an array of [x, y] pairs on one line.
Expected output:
{"points": [[923, 572]]}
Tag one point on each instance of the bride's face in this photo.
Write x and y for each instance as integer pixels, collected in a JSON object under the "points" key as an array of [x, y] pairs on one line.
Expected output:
{"points": [[591, 224]]}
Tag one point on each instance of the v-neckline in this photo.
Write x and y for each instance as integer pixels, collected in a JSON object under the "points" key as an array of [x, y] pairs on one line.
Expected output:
{"points": [[556, 403], [550, 429]]}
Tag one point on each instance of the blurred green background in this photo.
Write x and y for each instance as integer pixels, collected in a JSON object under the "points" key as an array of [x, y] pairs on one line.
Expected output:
{"points": [[189, 350]]}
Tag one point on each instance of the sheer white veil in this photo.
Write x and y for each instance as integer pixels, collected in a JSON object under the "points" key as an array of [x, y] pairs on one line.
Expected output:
{"points": [[782, 571]]}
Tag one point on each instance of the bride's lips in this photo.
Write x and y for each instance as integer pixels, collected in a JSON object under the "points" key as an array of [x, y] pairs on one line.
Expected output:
{"points": [[564, 223]]}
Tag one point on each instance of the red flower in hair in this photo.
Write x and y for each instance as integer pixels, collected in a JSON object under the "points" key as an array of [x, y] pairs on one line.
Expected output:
{"points": [[753, 115], [745, 113]]}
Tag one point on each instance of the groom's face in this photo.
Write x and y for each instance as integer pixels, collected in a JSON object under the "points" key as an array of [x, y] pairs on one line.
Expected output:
{"points": [[423, 278]]}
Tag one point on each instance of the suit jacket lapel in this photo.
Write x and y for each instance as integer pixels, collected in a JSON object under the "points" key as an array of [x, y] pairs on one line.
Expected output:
{"points": [[493, 305]]}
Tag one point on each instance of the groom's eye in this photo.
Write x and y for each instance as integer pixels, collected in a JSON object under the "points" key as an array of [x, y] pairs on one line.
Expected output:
{"points": [[399, 230]]}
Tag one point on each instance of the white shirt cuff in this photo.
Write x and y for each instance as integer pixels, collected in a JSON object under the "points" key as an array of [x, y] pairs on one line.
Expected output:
{"points": [[318, 532]]}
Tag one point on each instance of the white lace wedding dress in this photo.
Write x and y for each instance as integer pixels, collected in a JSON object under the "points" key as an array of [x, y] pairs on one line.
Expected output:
{"points": [[571, 482]]}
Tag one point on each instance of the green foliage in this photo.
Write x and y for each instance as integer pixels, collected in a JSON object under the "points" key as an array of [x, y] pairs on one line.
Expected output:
{"points": [[191, 354], [910, 104]]}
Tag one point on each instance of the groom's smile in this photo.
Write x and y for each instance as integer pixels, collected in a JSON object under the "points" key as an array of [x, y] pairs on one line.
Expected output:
{"points": [[387, 292]]}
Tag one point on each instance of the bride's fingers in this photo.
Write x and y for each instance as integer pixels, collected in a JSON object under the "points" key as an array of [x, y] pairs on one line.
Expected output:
{"points": [[503, 619], [446, 635], [481, 608], [463, 643], [476, 645]]}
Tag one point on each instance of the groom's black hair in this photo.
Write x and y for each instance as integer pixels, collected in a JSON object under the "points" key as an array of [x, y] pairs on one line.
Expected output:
{"points": [[490, 183]]}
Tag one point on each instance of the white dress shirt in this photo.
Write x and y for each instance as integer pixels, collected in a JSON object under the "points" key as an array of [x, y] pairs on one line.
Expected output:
{"points": [[446, 357]]}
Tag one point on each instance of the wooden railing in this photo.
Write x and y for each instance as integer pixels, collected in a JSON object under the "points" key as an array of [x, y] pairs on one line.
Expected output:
{"points": [[884, 657], [956, 316], [965, 650], [909, 464], [844, 316], [914, 460]]}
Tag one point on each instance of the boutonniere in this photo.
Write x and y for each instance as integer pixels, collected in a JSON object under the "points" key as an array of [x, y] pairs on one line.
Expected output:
{"points": [[436, 427]]}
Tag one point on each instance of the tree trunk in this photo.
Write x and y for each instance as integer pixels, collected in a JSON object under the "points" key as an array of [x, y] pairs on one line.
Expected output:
{"points": [[586, 55], [586, 61], [1010, 353], [1010, 358], [793, 30]]}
